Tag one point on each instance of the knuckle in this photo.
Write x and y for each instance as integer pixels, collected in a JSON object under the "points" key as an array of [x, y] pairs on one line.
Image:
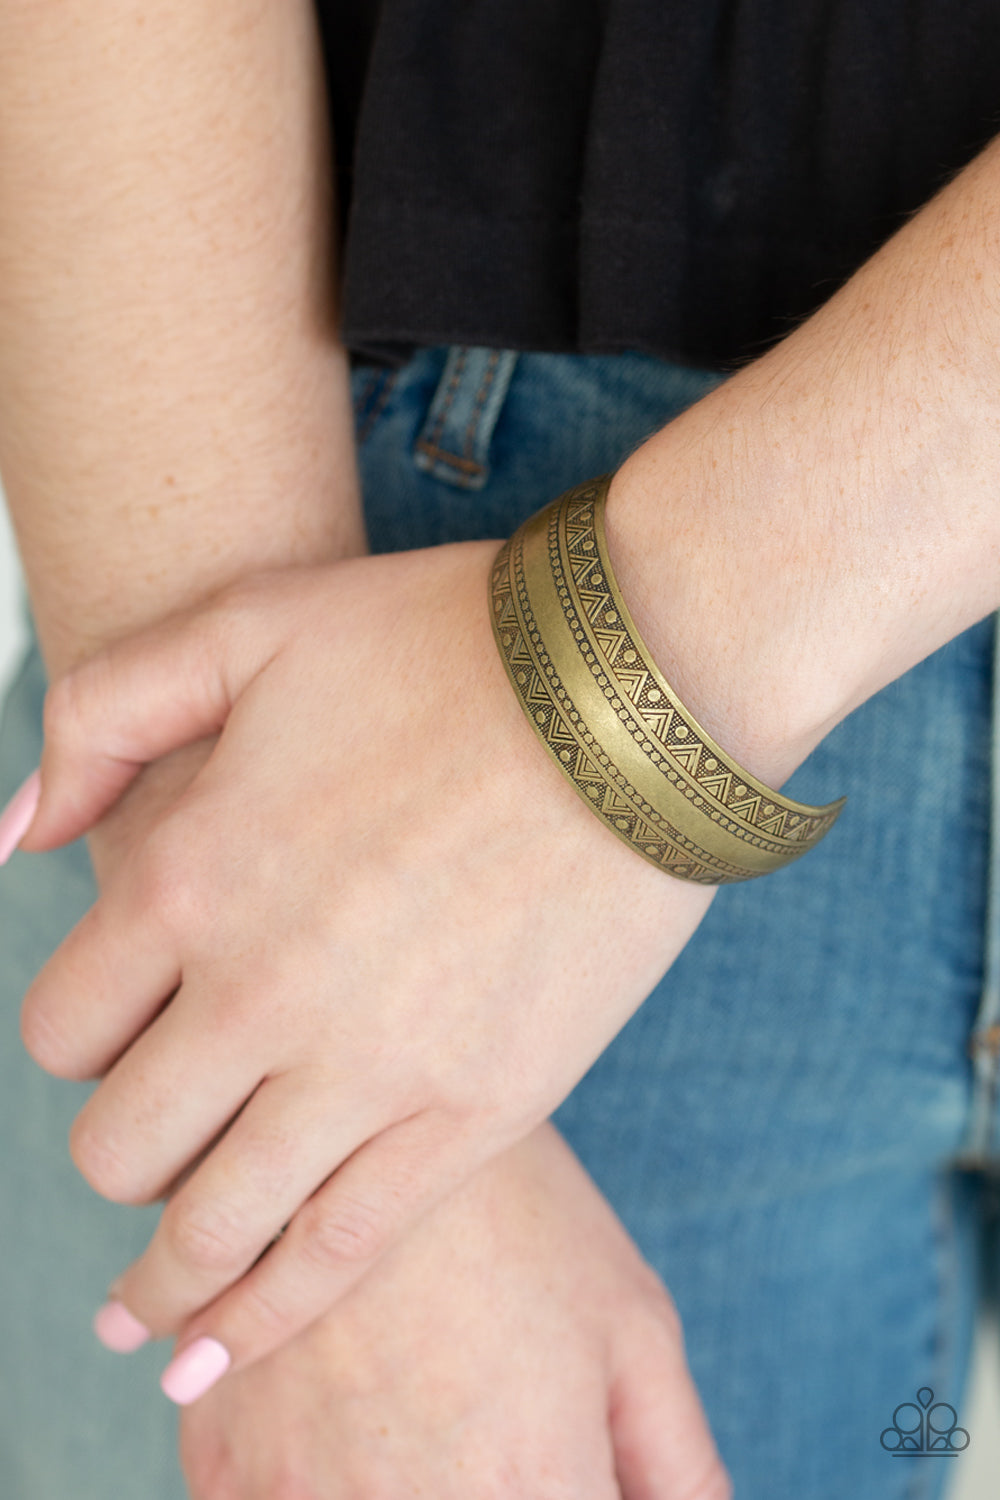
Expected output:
{"points": [[43, 1042], [235, 611], [78, 700], [348, 1233], [238, 596], [61, 711], [202, 1240], [164, 879], [659, 1307], [102, 1165]]}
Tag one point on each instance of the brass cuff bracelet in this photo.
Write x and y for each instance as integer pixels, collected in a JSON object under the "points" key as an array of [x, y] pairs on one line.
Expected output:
{"points": [[610, 720]]}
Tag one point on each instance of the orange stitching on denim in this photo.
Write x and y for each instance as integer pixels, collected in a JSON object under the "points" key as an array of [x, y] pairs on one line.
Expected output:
{"points": [[449, 396], [480, 402], [468, 465]]}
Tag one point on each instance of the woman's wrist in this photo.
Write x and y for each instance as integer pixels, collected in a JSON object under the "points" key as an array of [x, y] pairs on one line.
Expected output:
{"points": [[825, 519], [721, 595]]}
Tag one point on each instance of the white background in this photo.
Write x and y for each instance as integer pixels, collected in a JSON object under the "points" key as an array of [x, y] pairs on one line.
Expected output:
{"points": [[976, 1473]]}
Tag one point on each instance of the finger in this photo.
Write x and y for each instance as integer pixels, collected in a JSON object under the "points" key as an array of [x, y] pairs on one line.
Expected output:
{"points": [[333, 1240], [662, 1442], [266, 1165], [106, 981], [165, 1100], [140, 698]]}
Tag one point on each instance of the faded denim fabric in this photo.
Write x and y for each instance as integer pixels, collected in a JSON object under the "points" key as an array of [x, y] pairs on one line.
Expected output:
{"points": [[799, 1125]]}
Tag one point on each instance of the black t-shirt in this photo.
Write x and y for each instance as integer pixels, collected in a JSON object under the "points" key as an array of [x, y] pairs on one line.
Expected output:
{"points": [[684, 177]]}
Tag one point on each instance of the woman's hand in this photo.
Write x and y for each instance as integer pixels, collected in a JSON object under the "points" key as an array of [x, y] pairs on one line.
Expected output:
{"points": [[518, 1319], [122, 831], [391, 936], [516, 1345]]}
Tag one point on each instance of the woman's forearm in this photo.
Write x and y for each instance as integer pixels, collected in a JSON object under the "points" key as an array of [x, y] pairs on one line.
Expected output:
{"points": [[174, 400], [830, 515]]}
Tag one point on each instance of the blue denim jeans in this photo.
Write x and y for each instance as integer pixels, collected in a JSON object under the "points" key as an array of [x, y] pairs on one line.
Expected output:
{"points": [[798, 1125]]}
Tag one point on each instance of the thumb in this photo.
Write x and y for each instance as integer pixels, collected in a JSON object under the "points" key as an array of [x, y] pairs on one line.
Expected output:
{"points": [[138, 699], [662, 1444]]}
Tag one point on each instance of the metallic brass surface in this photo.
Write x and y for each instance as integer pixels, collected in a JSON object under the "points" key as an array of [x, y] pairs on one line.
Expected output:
{"points": [[610, 720]]}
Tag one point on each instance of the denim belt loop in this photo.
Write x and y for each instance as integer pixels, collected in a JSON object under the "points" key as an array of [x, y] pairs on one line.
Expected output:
{"points": [[454, 445]]}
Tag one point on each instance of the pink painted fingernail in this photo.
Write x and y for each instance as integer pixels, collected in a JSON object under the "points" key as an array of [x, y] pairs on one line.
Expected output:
{"points": [[118, 1330], [194, 1371], [17, 815]]}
